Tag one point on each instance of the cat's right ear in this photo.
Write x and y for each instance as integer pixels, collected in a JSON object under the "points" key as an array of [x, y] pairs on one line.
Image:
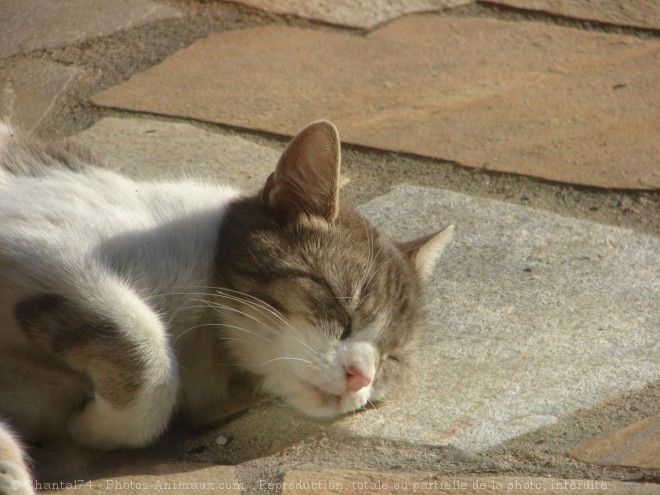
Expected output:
{"points": [[306, 180], [425, 251]]}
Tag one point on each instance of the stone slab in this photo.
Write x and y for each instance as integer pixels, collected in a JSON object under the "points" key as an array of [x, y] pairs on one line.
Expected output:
{"points": [[29, 89], [361, 14], [383, 483], [555, 103], [637, 445], [635, 13], [534, 316], [150, 149], [27, 25], [181, 478]]}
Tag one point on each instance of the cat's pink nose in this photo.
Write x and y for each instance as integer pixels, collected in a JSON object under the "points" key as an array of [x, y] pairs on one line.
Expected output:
{"points": [[355, 379]]}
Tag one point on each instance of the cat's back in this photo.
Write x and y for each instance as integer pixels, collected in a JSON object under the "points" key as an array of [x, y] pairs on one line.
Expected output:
{"points": [[65, 220], [60, 187], [47, 187], [59, 193]]}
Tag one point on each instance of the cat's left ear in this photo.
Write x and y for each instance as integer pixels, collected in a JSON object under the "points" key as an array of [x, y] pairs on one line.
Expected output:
{"points": [[425, 251], [306, 180]]}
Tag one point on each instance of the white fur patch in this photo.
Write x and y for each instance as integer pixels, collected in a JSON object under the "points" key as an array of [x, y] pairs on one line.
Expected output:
{"points": [[73, 238], [306, 367]]}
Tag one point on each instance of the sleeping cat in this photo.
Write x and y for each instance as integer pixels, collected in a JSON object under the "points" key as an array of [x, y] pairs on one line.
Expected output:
{"points": [[123, 303]]}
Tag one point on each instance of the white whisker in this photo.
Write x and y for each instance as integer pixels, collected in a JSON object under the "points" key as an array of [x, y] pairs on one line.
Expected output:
{"points": [[290, 359], [241, 329], [260, 306]]}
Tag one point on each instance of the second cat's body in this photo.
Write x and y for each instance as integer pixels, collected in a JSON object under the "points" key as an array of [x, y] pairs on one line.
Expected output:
{"points": [[124, 303]]}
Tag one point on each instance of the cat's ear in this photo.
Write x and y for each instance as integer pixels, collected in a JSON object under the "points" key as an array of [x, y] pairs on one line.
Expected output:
{"points": [[306, 180], [425, 251]]}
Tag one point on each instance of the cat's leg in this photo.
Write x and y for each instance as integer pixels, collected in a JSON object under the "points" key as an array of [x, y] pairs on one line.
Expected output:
{"points": [[14, 473], [114, 338]]}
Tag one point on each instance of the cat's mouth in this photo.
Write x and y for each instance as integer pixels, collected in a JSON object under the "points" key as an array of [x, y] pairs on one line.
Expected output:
{"points": [[325, 396], [321, 403]]}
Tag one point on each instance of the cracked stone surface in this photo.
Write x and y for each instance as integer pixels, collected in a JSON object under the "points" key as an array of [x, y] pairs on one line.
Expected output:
{"points": [[533, 316], [28, 90], [556, 103], [637, 13], [365, 14], [27, 25]]}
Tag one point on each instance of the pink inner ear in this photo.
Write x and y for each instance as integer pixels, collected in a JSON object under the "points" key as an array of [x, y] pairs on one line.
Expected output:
{"points": [[306, 179]]}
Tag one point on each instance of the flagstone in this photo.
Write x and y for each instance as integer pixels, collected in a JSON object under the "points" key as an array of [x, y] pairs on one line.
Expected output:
{"points": [[636, 445], [154, 149], [556, 103], [383, 483], [27, 25], [637, 13], [533, 316], [29, 89], [361, 14]]}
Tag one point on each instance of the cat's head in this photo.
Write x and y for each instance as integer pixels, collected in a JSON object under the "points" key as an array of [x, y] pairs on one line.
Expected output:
{"points": [[323, 307]]}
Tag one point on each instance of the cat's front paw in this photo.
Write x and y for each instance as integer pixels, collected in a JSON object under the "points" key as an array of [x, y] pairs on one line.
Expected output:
{"points": [[102, 427], [14, 480]]}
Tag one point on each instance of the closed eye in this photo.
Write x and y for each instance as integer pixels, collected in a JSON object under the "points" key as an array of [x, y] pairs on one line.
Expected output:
{"points": [[346, 331]]}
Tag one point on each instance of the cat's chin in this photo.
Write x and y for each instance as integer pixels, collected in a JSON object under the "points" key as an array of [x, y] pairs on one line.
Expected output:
{"points": [[318, 403]]}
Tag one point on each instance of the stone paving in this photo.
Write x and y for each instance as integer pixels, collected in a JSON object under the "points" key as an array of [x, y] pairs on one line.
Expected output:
{"points": [[536, 317], [521, 335], [360, 14], [551, 102], [635, 445], [27, 25], [150, 149], [638, 13], [28, 91]]}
